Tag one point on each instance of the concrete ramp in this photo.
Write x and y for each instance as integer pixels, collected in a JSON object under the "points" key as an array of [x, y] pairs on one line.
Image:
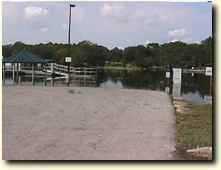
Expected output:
{"points": [[61, 123]]}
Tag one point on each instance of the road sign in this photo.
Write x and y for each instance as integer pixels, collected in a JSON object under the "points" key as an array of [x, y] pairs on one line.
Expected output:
{"points": [[209, 71], [167, 74], [177, 75], [68, 59]]}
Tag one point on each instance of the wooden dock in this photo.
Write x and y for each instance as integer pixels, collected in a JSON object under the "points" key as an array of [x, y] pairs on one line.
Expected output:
{"points": [[53, 71]]}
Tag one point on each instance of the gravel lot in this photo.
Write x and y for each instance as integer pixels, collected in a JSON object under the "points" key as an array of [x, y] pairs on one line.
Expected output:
{"points": [[61, 123]]}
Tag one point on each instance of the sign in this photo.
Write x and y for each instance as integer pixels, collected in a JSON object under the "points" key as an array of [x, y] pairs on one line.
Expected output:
{"points": [[68, 59], [209, 71], [177, 75], [167, 74]]}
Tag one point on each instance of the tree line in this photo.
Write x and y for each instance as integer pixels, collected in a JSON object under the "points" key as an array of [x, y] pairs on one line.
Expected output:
{"points": [[153, 54]]}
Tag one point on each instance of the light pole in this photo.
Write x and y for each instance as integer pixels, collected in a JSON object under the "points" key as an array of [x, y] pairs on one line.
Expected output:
{"points": [[69, 31], [68, 59]]}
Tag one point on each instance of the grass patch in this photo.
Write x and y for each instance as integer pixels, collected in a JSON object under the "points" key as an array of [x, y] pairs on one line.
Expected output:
{"points": [[194, 126]]}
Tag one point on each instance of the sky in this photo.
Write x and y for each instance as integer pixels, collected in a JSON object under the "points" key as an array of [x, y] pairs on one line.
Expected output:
{"points": [[111, 24]]}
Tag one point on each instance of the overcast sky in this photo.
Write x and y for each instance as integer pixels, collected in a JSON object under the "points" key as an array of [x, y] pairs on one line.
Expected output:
{"points": [[107, 23]]}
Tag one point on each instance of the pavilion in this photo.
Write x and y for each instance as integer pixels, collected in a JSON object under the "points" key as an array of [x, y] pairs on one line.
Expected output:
{"points": [[23, 58]]}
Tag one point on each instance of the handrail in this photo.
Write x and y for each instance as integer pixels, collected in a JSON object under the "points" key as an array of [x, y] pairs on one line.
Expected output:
{"points": [[61, 69]]}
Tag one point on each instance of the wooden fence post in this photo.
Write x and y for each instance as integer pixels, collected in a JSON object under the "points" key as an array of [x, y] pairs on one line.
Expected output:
{"points": [[33, 74], [17, 73], [13, 72], [45, 74], [52, 74], [84, 74], [19, 76], [3, 73]]}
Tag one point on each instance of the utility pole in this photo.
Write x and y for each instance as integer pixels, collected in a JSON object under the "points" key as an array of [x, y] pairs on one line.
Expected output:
{"points": [[68, 59]]}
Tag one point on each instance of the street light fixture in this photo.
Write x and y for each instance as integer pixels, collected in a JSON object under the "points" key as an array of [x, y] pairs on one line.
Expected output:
{"points": [[68, 59]]}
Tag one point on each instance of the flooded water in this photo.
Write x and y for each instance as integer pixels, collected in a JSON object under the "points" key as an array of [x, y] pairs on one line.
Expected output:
{"points": [[195, 88]]}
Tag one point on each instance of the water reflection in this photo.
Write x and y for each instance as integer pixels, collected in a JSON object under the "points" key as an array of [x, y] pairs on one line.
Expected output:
{"points": [[194, 98], [110, 84], [177, 91], [195, 88], [167, 89], [134, 79]]}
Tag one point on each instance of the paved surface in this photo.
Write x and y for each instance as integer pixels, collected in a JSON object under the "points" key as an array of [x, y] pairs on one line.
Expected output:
{"points": [[60, 123]]}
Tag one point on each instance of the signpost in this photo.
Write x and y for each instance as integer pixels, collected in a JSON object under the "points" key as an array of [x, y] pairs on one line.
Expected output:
{"points": [[176, 91], [177, 75], [209, 72], [68, 61]]}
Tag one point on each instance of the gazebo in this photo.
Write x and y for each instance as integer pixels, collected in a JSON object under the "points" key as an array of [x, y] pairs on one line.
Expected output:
{"points": [[22, 58]]}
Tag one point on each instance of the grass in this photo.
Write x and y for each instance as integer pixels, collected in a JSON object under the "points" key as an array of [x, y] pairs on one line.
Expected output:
{"points": [[194, 126]]}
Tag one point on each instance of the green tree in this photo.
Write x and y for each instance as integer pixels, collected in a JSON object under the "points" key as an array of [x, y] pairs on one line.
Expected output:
{"points": [[154, 54]]}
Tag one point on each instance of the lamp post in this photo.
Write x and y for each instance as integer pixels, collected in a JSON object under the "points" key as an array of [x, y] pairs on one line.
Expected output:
{"points": [[68, 59]]}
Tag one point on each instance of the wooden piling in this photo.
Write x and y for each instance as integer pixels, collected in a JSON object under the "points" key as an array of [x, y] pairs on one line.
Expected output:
{"points": [[13, 72], [3, 73], [84, 71], [68, 76], [19, 76], [211, 86], [45, 75], [52, 74], [33, 74]]}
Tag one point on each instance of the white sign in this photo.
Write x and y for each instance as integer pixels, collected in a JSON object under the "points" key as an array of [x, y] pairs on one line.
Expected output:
{"points": [[68, 59], [177, 75], [167, 74], [209, 71]]}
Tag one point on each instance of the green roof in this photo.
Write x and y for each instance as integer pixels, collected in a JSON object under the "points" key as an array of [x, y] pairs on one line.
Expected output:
{"points": [[25, 57]]}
